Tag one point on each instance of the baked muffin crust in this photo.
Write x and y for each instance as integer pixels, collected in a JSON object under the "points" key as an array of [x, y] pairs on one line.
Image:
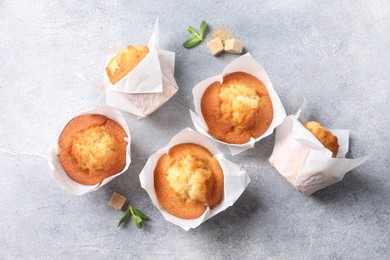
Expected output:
{"points": [[187, 179], [92, 148], [323, 135], [125, 61], [237, 109]]}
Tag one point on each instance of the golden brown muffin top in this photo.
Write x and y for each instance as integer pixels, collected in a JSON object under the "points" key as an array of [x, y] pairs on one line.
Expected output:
{"points": [[92, 148], [238, 103], [237, 109], [125, 61], [187, 179], [323, 135]]}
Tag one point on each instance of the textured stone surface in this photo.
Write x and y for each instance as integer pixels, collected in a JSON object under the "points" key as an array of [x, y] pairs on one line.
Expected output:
{"points": [[335, 53]]}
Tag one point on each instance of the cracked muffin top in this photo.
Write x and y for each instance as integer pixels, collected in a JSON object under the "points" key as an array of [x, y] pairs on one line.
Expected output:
{"points": [[92, 148], [188, 179], [323, 135], [237, 109], [125, 61]]}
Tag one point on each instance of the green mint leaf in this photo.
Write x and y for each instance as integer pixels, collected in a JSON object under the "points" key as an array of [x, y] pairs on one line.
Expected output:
{"points": [[131, 210], [139, 225], [193, 32], [140, 214], [125, 217], [203, 27], [137, 220], [191, 42]]}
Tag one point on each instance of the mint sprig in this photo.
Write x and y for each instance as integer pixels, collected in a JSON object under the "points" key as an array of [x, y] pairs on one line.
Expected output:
{"points": [[191, 42], [193, 32], [136, 215], [198, 37], [203, 27]]}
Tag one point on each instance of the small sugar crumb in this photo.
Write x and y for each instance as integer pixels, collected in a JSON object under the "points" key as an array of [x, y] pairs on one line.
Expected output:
{"points": [[215, 46], [233, 46], [117, 201], [223, 33]]}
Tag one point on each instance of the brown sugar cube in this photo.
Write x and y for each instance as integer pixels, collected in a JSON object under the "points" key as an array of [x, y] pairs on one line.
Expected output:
{"points": [[215, 46], [233, 46], [117, 201]]}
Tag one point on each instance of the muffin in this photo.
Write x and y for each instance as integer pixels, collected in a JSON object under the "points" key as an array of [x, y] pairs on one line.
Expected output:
{"points": [[323, 135], [125, 61], [188, 179], [237, 109], [92, 148]]}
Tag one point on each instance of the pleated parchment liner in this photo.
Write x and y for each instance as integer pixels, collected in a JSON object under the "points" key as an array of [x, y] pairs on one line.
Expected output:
{"points": [[60, 176], [147, 87], [248, 64], [305, 163], [235, 179]]}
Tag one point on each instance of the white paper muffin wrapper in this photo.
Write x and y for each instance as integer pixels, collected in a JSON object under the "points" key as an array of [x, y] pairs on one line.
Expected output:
{"points": [[60, 176], [147, 87], [248, 64], [304, 161], [235, 179]]}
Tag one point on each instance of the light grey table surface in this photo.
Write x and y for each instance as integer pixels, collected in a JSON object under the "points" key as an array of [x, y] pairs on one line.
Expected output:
{"points": [[335, 53]]}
